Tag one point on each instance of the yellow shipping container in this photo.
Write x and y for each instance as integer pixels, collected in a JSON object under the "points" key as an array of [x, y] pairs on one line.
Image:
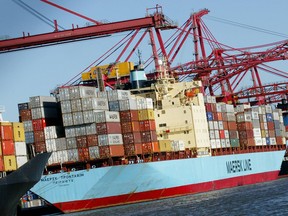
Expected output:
{"points": [[120, 69], [147, 114], [10, 163], [18, 132], [165, 145], [0, 148]]}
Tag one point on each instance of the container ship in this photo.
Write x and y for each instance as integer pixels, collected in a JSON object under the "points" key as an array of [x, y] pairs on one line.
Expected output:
{"points": [[17, 173], [156, 140]]}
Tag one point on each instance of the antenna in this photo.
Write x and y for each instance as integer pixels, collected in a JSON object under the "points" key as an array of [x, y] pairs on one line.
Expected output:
{"points": [[2, 110]]}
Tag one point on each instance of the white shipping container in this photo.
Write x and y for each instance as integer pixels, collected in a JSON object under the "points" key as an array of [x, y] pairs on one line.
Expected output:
{"points": [[258, 141], [64, 94], [67, 119], [107, 116], [53, 159], [213, 99], [91, 129], [218, 143], [276, 115], [73, 155], [212, 134], [94, 152], [102, 94], [207, 99], [21, 160], [217, 135], [223, 143], [213, 143], [254, 115], [20, 149], [129, 104], [89, 116], [78, 118], [82, 92], [44, 112], [38, 101], [66, 106], [149, 103], [28, 126], [175, 145], [243, 117], [216, 125], [181, 145], [227, 108], [226, 134], [62, 156], [70, 132], [52, 132], [80, 130], [273, 141], [114, 95], [76, 105], [61, 144], [264, 141], [268, 108], [257, 132], [219, 107], [210, 125], [220, 125], [71, 143], [141, 103], [110, 139], [50, 145], [94, 103], [227, 143]]}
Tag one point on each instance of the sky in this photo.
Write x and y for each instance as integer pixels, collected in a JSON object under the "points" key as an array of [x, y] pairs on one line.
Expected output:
{"points": [[35, 72]]}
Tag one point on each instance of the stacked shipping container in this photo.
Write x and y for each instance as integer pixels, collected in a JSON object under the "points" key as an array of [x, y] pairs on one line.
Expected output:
{"points": [[13, 152]]}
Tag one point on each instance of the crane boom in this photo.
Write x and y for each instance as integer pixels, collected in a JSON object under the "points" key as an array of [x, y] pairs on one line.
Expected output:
{"points": [[156, 20]]}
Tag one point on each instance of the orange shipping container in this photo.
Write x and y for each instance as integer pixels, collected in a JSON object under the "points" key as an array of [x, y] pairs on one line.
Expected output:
{"points": [[244, 126], [111, 151], [83, 154], [155, 147], [92, 140], [8, 147], [232, 126], [147, 148], [18, 132], [6, 131]]}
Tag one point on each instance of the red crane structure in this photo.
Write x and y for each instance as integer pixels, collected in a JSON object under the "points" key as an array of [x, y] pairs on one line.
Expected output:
{"points": [[222, 71]]}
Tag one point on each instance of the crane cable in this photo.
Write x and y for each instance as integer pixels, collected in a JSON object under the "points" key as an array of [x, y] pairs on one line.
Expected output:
{"points": [[36, 13], [246, 26]]}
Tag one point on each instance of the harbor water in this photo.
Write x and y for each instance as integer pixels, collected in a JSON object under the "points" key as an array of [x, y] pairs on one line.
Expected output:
{"points": [[270, 198]]}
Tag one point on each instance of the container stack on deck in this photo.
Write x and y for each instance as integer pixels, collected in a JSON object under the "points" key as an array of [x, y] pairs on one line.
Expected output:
{"points": [[13, 152]]}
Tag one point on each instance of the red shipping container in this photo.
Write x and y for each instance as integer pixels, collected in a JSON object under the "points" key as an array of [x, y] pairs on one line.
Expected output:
{"points": [[127, 116], [81, 141], [138, 149], [6, 131], [208, 107], [232, 125], [83, 154], [246, 134], [39, 136], [147, 125], [25, 115], [8, 147], [40, 147], [247, 142], [148, 136], [215, 116], [147, 148], [244, 126], [131, 138], [108, 128], [221, 134], [1, 164], [39, 124], [129, 127], [111, 151], [213, 107], [92, 140], [270, 125]]}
